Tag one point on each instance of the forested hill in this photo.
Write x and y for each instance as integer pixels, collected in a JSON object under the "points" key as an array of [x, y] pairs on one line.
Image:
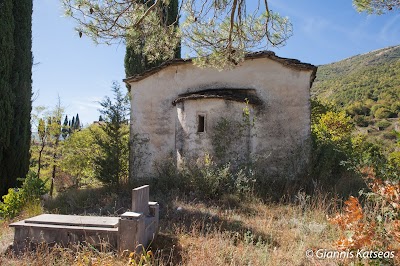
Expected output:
{"points": [[366, 86], [374, 76]]}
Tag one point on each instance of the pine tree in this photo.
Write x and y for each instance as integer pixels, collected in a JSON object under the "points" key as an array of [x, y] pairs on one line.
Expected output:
{"points": [[17, 90], [111, 166]]}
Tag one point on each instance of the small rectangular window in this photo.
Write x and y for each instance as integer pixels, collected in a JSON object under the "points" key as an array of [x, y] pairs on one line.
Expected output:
{"points": [[201, 126]]}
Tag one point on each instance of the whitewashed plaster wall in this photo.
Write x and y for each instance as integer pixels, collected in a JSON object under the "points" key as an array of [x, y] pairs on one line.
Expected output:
{"points": [[281, 135]]}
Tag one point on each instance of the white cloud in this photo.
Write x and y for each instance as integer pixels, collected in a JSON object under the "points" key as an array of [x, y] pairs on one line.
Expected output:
{"points": [[391, 30]]}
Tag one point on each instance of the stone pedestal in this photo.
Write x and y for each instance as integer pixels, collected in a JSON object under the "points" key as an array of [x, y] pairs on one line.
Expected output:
{"points": [[131, 232]]}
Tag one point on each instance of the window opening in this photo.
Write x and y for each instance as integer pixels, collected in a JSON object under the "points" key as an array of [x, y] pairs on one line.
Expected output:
{"points": [[201, 124]]}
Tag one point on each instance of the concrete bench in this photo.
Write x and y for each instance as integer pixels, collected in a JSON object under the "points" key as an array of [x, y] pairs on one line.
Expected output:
{"points": [[126, 232]]}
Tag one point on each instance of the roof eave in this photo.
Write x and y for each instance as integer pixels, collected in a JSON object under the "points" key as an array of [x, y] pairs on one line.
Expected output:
{"points": [[291, 63]]}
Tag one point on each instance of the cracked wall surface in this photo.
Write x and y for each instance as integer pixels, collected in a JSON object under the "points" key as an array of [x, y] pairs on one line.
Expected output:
{"points": [[166, 105]]}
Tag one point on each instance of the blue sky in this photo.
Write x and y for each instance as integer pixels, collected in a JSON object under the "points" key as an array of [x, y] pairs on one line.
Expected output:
{"points": [[81, 73]]}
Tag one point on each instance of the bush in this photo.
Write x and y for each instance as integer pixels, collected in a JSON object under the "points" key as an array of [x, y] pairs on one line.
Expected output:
{"points": [[361, 121], [333, 127], [12, 204], [209, 181], [375, 225], [31, 190], [376, 107], [390, 135], [395, 108], [383, 113], [382, 124], [205, 180], [357, 108], [33, 187]]}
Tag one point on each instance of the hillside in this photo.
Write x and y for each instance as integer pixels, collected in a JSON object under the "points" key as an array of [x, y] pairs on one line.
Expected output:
{"points": [[367, 86]]}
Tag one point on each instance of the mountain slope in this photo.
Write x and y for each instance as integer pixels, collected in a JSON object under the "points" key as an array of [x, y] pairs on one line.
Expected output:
{"points": [[367, 86], [361, 77]]}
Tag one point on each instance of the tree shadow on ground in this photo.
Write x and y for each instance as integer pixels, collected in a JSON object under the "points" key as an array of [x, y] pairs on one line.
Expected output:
{"points": [[166, 248], [103, 201], [205, 223]]}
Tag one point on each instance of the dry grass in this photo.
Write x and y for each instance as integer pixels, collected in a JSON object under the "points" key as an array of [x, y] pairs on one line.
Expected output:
{"points": [[227, 232], [247, 233], [6, 236]]}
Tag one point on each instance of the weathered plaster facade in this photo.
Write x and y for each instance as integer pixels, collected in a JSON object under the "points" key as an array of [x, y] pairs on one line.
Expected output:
{"points": [[183, 112]]}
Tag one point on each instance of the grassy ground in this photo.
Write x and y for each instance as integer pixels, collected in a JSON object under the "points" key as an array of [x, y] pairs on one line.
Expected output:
{"points": [[251, 233], [230, 231]]}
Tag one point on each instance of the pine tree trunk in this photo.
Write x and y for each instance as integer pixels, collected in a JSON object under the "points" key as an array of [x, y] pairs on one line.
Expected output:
{"points": [[40, 160], [53, 173]]}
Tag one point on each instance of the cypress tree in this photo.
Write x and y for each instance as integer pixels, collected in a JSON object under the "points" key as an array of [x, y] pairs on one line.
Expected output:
{"points": [[73, 124], [77, 125], [16, 89], [65, 128], [135, 61], [65, 120], [69, 127], [6, 94]]}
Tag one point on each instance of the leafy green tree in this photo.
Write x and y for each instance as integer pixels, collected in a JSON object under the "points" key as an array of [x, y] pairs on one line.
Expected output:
{"points": [[111, 165], [79, 152], [43, 134], [55, 133], [333, 126], [218, 32], [331, 131], [46, 148]]}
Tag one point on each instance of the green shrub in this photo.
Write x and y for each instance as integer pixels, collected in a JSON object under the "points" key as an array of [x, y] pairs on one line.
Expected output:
{"points": [[33, 187], [395, 108], [383, 124], [208, 180], [383, 113], [205, 180], [31, 190], [361, 121], [168, 178], [357, 108], [390, 135], [376, 107], [12, 203], [332, 127]]}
